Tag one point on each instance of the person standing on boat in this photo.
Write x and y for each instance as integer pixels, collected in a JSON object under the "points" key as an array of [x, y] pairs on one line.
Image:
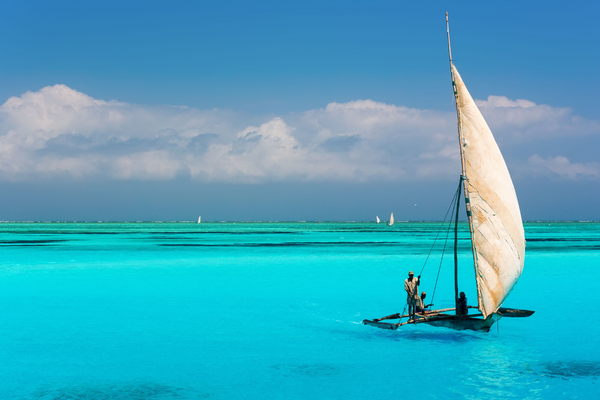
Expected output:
{"points": [[411, 285]]}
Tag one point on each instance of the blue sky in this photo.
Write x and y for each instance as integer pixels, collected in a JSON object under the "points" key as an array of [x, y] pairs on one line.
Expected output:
{"points": [[300, 74]]}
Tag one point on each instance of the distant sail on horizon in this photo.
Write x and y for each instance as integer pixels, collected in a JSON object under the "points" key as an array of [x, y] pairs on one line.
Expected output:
{"points": [[392, 219], [199, 219], [377, 217]]}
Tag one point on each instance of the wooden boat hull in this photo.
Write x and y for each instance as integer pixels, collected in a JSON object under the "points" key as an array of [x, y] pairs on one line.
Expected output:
{"points": [[443, 320], [461, 324]]}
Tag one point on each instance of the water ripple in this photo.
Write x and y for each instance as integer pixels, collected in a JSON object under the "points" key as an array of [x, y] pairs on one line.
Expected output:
{"points": [[134, 391], [311, 370]]}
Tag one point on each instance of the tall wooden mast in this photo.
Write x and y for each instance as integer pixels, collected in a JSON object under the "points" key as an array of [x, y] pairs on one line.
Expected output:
{"points": [[464, 178]]}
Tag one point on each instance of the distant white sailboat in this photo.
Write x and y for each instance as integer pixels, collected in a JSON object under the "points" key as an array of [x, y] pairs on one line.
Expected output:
{"points": [[392, 219], [377, 219], [200, 219]]}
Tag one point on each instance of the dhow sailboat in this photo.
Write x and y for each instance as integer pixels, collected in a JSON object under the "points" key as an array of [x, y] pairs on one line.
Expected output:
{"points": [[495, 224]]}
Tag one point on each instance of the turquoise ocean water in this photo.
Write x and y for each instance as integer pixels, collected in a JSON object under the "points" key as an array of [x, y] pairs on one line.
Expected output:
{"points": [[274, 311]]}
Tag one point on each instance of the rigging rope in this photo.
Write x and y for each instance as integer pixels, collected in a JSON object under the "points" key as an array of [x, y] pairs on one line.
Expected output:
{"points": [[452, 206], [403, 311], [439, 230], [444, 249]]}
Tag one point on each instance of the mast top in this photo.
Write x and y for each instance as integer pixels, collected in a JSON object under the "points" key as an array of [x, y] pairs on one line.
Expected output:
{"points": [[448, 33]]}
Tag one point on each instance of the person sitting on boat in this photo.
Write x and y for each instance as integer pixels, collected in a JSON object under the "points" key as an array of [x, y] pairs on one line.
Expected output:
{"points": [[421, 306], [411, 285], [461, 305]]}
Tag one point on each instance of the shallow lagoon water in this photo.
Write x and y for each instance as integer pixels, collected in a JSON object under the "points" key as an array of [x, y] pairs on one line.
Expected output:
{"points": [[274, 310]]}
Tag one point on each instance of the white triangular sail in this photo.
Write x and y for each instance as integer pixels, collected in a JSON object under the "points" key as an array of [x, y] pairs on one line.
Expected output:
{"points": [[377, 217], [392, 219], [200, 219], [497, 231]]}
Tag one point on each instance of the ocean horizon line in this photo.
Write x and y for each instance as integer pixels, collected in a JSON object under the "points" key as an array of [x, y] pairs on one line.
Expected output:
{"points": [[259, 222]]}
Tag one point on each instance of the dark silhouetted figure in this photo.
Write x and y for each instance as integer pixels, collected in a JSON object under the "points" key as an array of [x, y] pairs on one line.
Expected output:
{"points": [[461, 305]]}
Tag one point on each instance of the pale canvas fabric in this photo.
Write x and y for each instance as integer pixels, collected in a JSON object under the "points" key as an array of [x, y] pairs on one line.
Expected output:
{"points": [[498, 235]]}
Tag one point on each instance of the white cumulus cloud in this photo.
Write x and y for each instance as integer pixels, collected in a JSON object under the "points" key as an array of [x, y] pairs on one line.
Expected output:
{"points": [[560, 165], [523, 120], [58, 131]]}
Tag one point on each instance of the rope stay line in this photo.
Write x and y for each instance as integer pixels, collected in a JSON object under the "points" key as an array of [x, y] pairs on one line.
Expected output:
{"points": [[444, 248], [451, 207]]}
